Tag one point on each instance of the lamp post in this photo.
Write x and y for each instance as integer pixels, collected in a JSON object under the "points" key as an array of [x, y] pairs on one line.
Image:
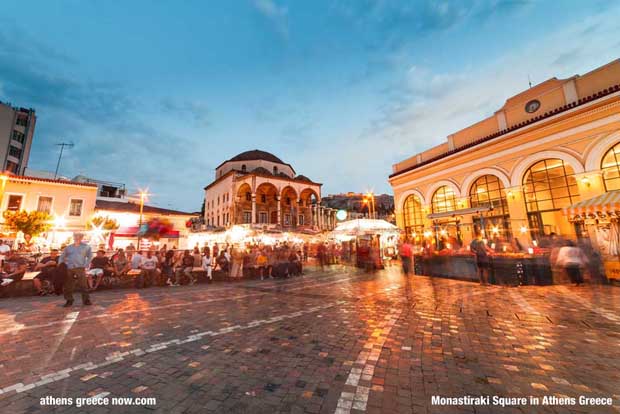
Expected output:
{"points": [[371, 203], [143, 195]]}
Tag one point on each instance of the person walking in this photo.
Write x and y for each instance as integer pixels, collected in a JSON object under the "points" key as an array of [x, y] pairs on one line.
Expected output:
{"points": [[77, 258], [406, 255], [483, 260], [573, 260]]}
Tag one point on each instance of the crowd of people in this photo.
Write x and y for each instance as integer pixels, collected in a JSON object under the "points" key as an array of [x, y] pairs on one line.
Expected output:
{"points": [[76, 265], [567, 258]]}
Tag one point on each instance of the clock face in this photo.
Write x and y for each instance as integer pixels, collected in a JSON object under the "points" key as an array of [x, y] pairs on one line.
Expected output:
{"points": [[532, 106]]}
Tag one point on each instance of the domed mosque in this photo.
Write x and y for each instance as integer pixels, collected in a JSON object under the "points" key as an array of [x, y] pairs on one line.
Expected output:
{"points": [[258, 189]]}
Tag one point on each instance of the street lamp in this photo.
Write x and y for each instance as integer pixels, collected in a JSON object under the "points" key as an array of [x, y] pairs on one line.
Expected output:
{"points": [[143, 195], [371, 202]]}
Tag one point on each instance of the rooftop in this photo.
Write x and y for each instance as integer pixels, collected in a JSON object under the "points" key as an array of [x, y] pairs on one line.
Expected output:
{"points": [[256, 155], [13, 177], [129, 207]]}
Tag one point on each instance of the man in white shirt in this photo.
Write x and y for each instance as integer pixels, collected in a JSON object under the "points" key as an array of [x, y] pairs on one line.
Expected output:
{"points": [[148, 265], [136, 260], [207, 265]]}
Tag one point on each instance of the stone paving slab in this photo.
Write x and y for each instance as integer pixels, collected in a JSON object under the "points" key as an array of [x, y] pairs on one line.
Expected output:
{"points": [[334, 342]]}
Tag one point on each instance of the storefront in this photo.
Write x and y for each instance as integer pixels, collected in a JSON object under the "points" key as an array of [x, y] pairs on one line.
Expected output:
{"points": [[361, 236], [598, 224]]}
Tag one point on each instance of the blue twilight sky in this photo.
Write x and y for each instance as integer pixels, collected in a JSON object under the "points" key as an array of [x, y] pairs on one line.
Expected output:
{"points": [[157, 93]]}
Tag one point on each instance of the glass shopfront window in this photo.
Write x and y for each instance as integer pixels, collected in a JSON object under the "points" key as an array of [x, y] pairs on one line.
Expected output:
{"points": [[488, 191], [413, 217], [548, 186], [443, 200], [611, 168]]}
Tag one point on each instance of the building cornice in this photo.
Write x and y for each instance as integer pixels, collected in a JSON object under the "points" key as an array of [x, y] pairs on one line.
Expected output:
{"points": [[519, 129]]}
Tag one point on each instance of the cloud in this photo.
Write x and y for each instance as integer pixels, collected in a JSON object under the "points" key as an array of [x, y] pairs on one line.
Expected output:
{"points": [[421, 105], [431, 105], [278, 15], [113, 140], [195, 110]]}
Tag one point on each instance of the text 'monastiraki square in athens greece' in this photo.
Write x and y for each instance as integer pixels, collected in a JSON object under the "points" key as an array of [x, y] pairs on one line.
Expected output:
{"points": [[321, 207]]}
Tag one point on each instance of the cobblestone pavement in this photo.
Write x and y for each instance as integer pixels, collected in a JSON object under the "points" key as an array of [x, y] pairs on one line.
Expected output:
{"points": [[338, 341]]}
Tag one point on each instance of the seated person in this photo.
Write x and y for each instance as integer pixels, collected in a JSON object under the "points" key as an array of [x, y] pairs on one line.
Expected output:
{"points": [[207, 264], [186, 267], [149, 269], [121, 264], [222, 261], [15, 266], [102, 263], [47, 267]]}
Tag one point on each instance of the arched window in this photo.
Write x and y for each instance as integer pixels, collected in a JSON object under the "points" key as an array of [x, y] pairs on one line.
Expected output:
{"points": [[243, 168], [443, 200], [548, 186], [488, 191], [413, 216], [611, 168], [275, 170]]}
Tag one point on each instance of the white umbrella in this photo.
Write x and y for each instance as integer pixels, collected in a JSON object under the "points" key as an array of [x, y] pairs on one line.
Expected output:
{"points": [[365, 226]]}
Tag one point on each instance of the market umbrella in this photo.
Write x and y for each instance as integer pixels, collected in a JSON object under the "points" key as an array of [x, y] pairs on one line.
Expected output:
{"points": [[359, 227]]}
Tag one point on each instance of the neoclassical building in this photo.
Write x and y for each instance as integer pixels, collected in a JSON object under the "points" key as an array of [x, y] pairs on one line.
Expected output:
{"points": [[257, 188], [514, 172]]}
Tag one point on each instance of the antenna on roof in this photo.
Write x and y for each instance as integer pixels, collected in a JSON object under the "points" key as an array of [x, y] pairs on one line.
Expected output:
{"points": [[62, 146], [529, 81]]}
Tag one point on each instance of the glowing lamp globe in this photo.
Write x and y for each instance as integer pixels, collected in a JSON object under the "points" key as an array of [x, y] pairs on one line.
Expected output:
{"points": [[341, 215]]}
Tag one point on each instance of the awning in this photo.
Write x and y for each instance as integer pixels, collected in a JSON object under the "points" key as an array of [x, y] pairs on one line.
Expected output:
{"points": [[132, 232], [461, 212], [604, 203]]}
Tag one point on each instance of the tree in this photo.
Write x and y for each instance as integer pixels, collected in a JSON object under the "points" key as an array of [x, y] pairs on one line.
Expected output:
{"points": [[31, 223], [103, 222]]}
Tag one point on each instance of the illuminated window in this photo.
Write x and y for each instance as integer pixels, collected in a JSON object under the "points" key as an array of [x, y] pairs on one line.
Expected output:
{"points": [[14, 203], [413, 215], [611, 168], [488, 191], [549, 185], [443, 200]]}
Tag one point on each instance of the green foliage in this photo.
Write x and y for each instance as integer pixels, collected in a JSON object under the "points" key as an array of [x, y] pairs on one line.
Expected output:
{"points": [[31, 223], [105, 222]]}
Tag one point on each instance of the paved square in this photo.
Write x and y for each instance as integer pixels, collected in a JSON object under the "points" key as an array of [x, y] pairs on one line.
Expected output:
{"points": [[338, 341]]}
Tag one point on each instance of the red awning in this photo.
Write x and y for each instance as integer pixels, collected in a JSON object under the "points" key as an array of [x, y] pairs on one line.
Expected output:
{"points": [[132, 232]]}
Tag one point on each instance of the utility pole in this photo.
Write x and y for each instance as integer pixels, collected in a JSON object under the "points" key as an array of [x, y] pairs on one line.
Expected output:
{"points": [[62, 146]]}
